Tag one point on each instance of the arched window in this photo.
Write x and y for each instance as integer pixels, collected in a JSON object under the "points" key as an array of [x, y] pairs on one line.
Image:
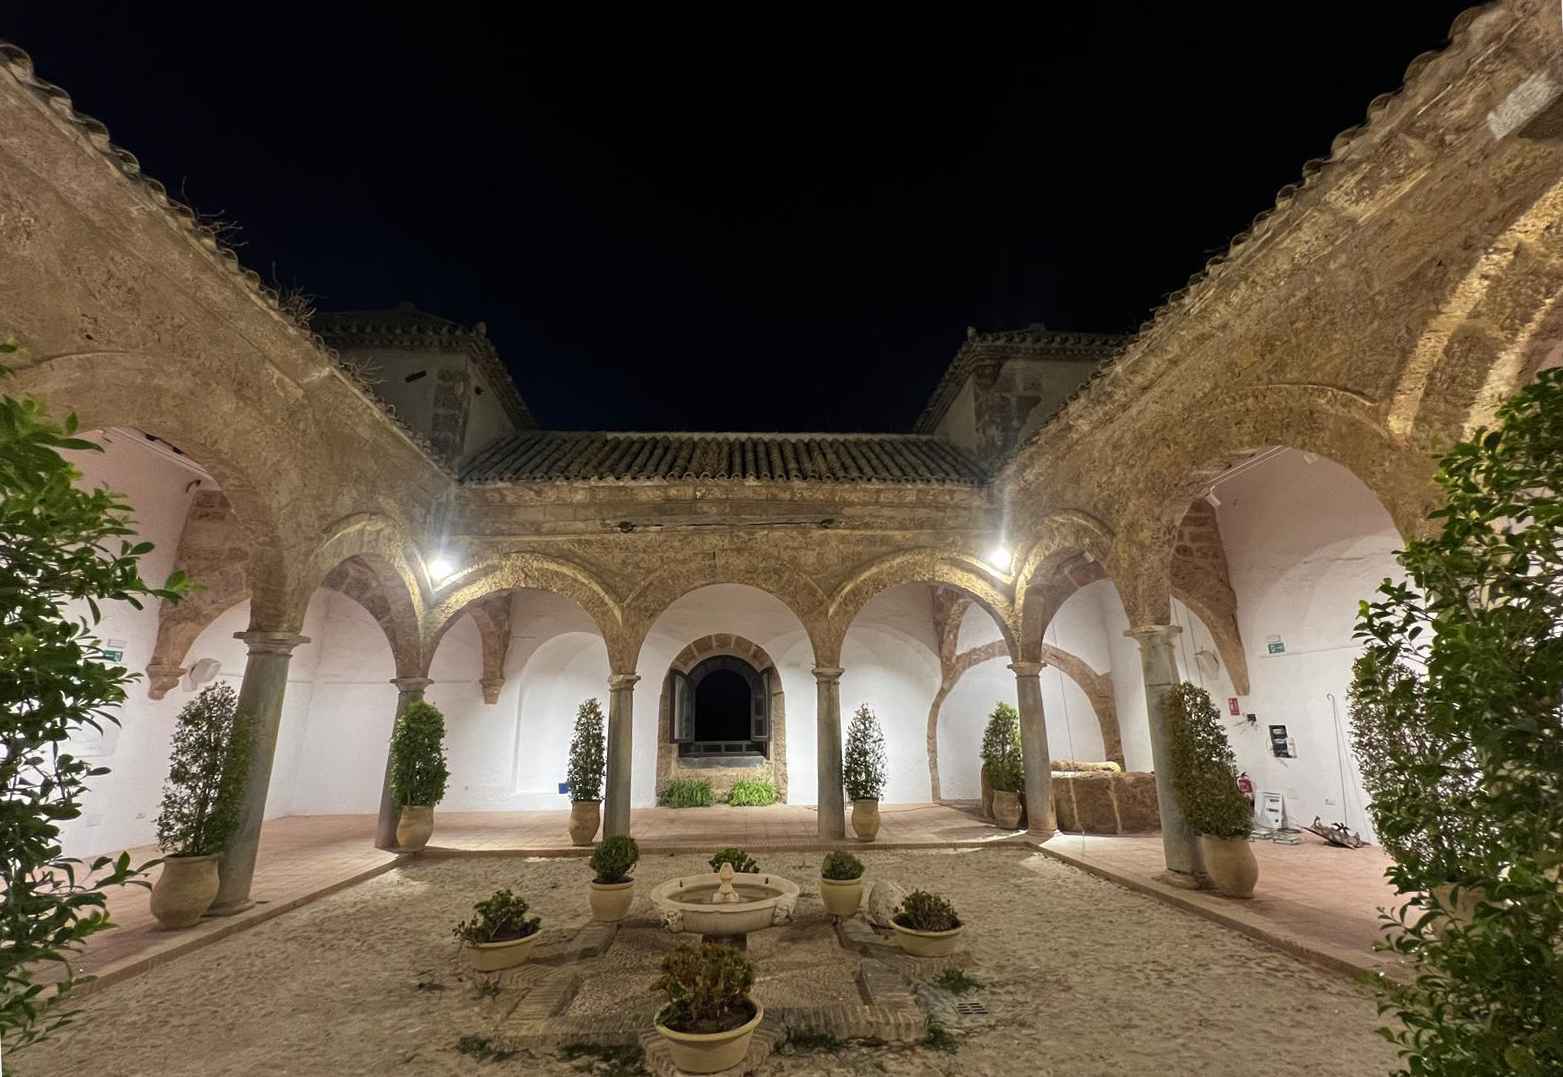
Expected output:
{"points": [[722, 707]]}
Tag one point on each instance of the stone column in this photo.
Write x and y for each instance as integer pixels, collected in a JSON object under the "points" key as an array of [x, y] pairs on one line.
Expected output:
{"points": [[410, 690], [827, 740], [621, 714], [1159, 668], [260, 701], [1040, 822]]}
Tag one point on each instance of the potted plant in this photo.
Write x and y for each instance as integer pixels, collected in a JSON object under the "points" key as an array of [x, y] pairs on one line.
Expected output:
{"points": [[741, 861], [1204, 777], [207, 767], [612, 888], [501, 935], [709, 1017], [926, 925], [863, 771], [841, 883], [1001, 734], [418, 772], [588, 761]]}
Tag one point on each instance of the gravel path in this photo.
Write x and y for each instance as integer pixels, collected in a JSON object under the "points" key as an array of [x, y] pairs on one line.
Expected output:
{"points": [[1081, 977]]}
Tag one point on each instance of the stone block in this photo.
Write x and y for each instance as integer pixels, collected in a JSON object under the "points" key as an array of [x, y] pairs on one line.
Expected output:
{"points": [[883, 899], [1137, 803]]}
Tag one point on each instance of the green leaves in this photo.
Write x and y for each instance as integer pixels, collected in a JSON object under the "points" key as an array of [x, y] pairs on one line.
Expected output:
{"points": [[863, 762], [588, 753], [418, 770], [54, 687], [1458, 732], [1204, 770], [1001, 749], [209, 760]]}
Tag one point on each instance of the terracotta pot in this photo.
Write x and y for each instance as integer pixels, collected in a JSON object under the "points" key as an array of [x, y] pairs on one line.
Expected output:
{"points": [[414, 827], [865, 819], [927, 943], [585, 818], [710, 1052], [611, 901], [1230, 864], [987, 794], [1006, 809], [185, 890], [493, 956], [842, 897]]}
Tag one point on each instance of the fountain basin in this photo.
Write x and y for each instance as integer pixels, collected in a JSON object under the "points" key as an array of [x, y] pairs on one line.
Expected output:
{"points": [[763, 901]]}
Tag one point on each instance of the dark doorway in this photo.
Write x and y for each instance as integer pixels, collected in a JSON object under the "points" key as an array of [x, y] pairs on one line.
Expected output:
{"points": [[722, 704]]}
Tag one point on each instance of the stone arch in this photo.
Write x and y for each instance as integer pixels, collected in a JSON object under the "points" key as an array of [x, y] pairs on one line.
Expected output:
{"points": [[722, 644], [214, 424], [517, 571], [1070, 550], [982, 584], [792, 588]]}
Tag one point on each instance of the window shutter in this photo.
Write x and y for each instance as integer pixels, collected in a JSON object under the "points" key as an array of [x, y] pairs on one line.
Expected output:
{"points": [[683, 709], [760, 719]]}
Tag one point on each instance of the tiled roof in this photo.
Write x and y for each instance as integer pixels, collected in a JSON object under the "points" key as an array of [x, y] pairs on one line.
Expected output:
{"points": [[408, 327], [553, 456]]}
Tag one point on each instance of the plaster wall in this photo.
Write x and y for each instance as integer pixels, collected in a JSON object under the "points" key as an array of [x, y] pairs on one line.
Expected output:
{"points": [[486, 419], [959, 425]]}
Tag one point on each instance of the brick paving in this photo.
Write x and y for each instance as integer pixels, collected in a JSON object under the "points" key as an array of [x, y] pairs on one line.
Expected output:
{"points": [[1315, 900]]}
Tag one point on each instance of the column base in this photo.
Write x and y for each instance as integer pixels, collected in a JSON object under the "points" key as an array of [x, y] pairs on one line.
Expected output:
{"points": [[1041, 836], [1181, 879], [231, 909]]}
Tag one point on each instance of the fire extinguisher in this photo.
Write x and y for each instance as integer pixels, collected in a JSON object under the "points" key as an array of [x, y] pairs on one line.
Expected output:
{"points": [[1245, 785]]}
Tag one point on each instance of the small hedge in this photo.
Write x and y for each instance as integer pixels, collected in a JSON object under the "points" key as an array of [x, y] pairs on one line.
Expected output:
{"points": [[687, 793], [752, 793]]}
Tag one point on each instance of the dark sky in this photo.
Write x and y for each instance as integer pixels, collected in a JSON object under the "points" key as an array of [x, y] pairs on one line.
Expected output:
{"points": [[716, 226]]}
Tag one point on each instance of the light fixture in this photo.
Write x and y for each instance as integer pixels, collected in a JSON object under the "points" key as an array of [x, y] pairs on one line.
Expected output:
{"points": [[1000, 558], [440, 567], [1215, 502]]}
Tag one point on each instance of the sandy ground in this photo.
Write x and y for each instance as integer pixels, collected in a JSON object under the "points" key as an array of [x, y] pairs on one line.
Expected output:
{"points": [[1081, 977]]}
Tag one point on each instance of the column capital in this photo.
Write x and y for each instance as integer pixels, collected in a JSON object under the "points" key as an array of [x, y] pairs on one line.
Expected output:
{"points": [[263, 642], [828, 674], [411, 684], [623, 680], [1028, 669], [1148, 633]]}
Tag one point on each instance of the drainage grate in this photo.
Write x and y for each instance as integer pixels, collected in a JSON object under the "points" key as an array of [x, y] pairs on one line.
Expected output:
{"points": [[971, 1009]]}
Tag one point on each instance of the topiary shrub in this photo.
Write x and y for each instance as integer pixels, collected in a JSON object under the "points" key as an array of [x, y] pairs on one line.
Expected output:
{"points": [[863, 761], [418, 771], [501, 918], [707, 988], [60, 546], [588, 753], [614, 858], [841, 867], [752, 793], [687, 793], [740, 860], [208, 762], [1459, 693], [922, 911], [1204, 770], [1001, 736]]}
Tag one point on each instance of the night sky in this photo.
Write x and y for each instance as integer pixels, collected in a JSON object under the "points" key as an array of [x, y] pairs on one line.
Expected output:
{"points": [[786, 225]]}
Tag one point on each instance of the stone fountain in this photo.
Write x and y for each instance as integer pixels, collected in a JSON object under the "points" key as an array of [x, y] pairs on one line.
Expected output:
{"points": [[726, 906]]}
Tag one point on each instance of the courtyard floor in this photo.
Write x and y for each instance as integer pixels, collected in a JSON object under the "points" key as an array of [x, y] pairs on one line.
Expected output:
{"points": [[1077, 976], [1312, 898]]}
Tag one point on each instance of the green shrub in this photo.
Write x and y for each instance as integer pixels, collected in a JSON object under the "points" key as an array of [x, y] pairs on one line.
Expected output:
{"points": [[1001, 751], [208, 762], [58, 545], [956, 981], [687, 793], [740, 860], [588, 754], [707, 987], [863, 761], [418, 771], [501, 918], [614, 858], [922, 911], [841, 867], [1465, 660], [1204, 770], [752, 793]]}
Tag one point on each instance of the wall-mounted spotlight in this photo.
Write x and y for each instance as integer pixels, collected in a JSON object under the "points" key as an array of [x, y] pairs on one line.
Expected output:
{"points": [[1215, 502], [1000, 558], [441, 567]]}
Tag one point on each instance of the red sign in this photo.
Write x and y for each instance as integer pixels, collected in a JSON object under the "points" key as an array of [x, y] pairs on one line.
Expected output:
{"points": [[1232, 705]]}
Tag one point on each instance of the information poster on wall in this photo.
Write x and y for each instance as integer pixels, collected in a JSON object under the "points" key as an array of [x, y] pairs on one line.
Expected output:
{"points": [[1275, 645], [1280, 743]]}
